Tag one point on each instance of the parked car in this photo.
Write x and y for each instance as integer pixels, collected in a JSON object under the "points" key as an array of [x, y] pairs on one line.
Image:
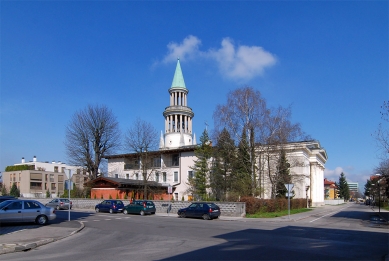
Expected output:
{"points": [[205, 210], [60, 203], [141, 207], [4, 198], [111, 206], [16, 210]]}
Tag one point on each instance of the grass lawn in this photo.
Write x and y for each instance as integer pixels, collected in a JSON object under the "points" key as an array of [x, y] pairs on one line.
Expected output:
{"points": [[277, 214]]}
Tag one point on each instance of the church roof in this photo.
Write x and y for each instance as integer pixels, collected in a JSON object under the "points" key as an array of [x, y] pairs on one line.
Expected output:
{"points": [[178, 79]]}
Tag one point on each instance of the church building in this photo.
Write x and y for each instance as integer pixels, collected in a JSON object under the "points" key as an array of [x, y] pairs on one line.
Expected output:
{"points": [[170, 167]]}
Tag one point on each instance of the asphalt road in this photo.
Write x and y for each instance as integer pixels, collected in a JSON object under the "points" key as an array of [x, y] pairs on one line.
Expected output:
{"points": [[344, 234]]}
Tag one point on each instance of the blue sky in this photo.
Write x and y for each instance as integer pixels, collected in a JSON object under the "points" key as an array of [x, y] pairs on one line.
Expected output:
{"points": [[327, 59]]}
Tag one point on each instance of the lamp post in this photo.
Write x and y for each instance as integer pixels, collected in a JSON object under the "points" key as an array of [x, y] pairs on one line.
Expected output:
{"points": [[379, 193]]}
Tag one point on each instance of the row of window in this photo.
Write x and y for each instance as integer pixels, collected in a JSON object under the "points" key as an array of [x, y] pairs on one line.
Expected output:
{"points": [[155, 163], [158, 176]]}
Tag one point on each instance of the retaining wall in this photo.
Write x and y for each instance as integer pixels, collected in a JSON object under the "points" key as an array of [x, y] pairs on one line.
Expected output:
{"points": [[228, 209]]}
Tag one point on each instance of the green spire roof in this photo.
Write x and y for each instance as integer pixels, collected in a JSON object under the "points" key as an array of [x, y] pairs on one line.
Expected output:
{"points": [[178, 80]]}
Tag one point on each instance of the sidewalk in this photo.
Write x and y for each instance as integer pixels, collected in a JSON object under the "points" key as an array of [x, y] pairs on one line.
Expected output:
{"points": [[40, 235]]}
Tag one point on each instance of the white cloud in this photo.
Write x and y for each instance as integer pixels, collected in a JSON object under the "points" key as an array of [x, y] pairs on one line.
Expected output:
{"points": [[243, 62], [235, 62], [188, 48]]}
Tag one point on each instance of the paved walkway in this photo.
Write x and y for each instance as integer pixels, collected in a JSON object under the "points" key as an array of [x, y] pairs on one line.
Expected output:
{"points": [[20, 238]]}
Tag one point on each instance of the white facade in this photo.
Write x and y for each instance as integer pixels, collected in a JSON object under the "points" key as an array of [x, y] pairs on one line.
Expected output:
{"points": [[172, 164], [307, 160]]}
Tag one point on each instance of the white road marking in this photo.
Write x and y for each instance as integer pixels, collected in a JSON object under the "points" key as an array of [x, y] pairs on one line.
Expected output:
{"points": [[328, 214]]}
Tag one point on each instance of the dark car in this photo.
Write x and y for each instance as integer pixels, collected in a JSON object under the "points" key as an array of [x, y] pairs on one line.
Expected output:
{"points": [[4, 198], [110, 205], [16, 210], [205, 210], [141, 207]]}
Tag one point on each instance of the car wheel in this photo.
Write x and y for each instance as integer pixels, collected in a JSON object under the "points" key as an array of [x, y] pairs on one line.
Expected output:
{"points": [[152, 213], [110, 211], [206, 217], [142, 213], [182, 215], [97, 210], [41, 220], [216, 217], [125, 212]]}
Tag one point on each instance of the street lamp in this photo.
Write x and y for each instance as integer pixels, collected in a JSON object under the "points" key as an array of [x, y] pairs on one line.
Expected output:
{"points": [[379, 193]]}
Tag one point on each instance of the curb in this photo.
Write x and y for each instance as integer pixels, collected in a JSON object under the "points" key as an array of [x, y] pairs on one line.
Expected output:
{"points": [[11, 248]]}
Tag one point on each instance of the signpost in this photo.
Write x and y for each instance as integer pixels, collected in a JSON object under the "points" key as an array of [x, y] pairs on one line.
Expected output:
{"points": [[289, 194], [68, 173]]}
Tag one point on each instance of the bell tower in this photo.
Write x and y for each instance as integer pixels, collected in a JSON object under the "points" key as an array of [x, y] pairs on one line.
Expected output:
{"points": [[178, 116]]}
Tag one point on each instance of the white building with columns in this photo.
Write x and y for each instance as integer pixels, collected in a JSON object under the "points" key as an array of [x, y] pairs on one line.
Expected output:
{"points": [[171, 164]]}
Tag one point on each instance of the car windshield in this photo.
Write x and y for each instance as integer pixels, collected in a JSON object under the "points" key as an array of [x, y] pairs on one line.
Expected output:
{"points": [[118, 202], [64, 200], [149, 203], [4, 203], [212, 205]]}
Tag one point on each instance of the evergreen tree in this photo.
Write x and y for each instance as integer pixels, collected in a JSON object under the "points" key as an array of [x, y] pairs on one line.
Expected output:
{"points": [[241, 182], [368, 188], [224, 158], [201, 166], [343, 188], [283, 175], [4, 191], [14, 191]]}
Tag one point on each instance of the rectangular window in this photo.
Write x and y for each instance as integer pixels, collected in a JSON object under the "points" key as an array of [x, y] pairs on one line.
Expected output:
{"points": [[127, 176], [164, 177], [176, 196], [63, 169], [156, 162], [175, 160], [60, 178], [190, 174], [157, 177], [175, 176], [55, 168], [52, 186], [116, 176], [136, 176], [51, 177], [35, 176]]}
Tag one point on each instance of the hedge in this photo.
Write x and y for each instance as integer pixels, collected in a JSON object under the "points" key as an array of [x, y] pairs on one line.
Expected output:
{"points": [[257, 205], [20, 167]]}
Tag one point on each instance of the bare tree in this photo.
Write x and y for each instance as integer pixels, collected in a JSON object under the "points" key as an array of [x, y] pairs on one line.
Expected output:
{"points": [[91, 134], [382, 133], [142, 139], [266, 130], [245, 111]]}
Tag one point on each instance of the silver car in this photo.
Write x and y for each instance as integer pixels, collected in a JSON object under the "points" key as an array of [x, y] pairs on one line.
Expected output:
{"points": [[14, 211], [60, 203]]}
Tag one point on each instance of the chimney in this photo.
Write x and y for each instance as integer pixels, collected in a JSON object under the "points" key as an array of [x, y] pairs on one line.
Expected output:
{"points": [[34, 159], [53, 162], [23, 161]]}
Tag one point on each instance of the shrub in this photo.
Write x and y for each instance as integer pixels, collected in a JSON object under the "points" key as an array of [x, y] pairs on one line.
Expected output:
{"points": [[110, 197], [255, 205]]}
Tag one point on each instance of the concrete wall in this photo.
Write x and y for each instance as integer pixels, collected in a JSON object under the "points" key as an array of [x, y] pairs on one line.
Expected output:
{"points": [[334, 201], [230, 209]]}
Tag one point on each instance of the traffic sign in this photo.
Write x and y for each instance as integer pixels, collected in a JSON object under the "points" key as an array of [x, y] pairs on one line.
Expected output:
{"points": [[289, 194], [289, 187]]}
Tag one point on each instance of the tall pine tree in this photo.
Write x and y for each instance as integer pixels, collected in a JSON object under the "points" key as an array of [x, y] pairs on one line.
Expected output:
{"points": [[202, 166], [344, 191], [283, 175], [242, 172], [224, 158]]}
